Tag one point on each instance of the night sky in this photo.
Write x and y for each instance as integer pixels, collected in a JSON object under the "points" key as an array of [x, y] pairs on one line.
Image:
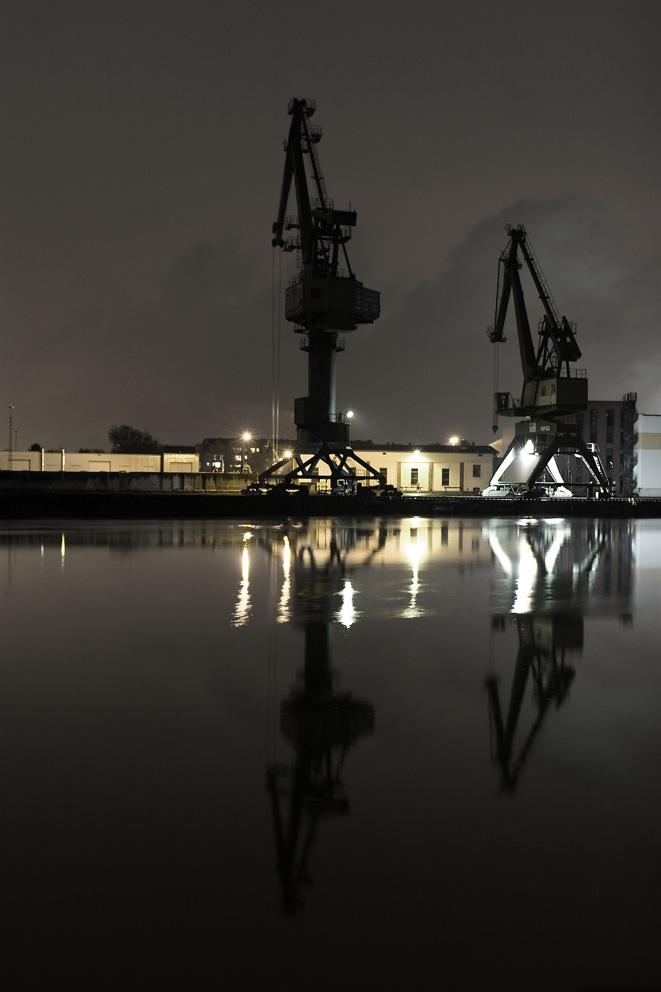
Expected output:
{"points": [[141, 169]]}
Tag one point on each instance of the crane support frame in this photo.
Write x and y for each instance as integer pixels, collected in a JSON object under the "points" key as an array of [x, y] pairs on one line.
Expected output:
{"points": [[553, 390]]}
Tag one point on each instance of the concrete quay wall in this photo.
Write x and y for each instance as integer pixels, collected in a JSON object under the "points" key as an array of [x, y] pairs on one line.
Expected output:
{"points": [[121, 482], [199, 503]]}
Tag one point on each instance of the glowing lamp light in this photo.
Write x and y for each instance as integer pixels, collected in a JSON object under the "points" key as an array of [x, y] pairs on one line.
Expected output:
{"points": [[454, 440], [288, 454], [247, 436], [349, 414]]}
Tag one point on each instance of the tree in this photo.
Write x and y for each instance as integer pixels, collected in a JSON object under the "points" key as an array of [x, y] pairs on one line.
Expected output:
{"points": [[131, 441], [35, 447]]}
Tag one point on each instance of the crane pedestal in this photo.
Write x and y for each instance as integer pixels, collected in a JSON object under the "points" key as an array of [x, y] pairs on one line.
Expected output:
{"points": [[533, 451]]}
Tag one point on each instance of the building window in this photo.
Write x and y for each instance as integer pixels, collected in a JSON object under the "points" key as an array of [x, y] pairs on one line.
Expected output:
{"points": [[384, 473], [610, 425], [477, 471], [414, 476], [445, 476]]}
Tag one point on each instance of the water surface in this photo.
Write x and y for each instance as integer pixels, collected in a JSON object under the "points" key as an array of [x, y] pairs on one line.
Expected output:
{"points": [[377, 754]]}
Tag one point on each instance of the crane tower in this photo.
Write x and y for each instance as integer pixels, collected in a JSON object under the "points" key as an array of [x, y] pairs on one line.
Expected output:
{"points": [[323, 299], [553, 390]]}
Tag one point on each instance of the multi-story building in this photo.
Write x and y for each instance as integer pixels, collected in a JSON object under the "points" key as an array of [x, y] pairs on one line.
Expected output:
{"points": [[611, 425]]}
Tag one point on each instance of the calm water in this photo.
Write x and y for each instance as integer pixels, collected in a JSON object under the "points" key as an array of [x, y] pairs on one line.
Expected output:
{"points": [[394, 755]]}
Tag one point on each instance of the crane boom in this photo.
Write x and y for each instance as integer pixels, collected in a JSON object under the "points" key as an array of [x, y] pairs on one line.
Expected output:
{"points": [[550, 387]]}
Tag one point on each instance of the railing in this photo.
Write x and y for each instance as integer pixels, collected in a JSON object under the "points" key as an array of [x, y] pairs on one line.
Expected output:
{"points": [[304, 344]]}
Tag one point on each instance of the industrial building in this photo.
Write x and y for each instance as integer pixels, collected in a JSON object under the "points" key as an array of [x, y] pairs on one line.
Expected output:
{"points": [[438, 468], [97, 461], [245, 454], [612, 426]]}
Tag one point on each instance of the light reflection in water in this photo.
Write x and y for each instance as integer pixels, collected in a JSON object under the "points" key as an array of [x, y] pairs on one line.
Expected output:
{"points": [[243, 608], [551, 572], [530, 566], [412, 611], [341, 808], [412, 547], [346, 615], [284, 612]]}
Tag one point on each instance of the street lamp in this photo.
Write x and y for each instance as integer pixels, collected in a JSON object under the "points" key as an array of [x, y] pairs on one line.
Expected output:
{"points": [[454, 441], [247, 436]]}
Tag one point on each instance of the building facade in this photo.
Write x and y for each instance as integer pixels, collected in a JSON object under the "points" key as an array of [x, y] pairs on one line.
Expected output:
{"points": [[648, 455], [611, 425], [242, 455], [431, 468], [96, 461]]}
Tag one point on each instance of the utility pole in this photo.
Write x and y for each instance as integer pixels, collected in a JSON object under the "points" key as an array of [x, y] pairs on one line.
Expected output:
{"points": [[11, 436]]}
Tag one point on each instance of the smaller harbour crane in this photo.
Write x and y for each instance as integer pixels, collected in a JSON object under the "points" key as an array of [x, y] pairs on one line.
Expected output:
{"points": [[554, 391]]}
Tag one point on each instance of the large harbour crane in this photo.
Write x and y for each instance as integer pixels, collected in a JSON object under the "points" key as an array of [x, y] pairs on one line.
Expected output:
{"points": [[553, 390], [323, 299]]}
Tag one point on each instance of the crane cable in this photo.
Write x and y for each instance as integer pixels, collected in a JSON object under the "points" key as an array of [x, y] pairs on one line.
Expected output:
{"points": [[276, 327], [496, 342], [494, 425]]}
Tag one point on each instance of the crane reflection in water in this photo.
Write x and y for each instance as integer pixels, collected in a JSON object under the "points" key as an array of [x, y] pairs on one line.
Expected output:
{"points": [[320, 721], [548, 577], [552, 575]]}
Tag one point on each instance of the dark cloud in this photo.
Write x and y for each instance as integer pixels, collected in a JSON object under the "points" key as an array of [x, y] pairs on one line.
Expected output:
{"points": [[141, 175], [186, 359], [431, 349]]}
